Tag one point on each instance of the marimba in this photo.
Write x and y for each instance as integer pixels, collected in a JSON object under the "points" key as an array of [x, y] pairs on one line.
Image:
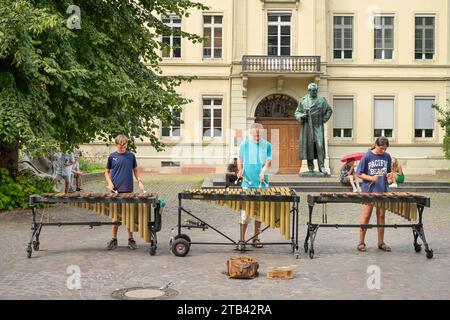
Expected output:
{"points": [[276, 208], [138, 212], [404, 204]]}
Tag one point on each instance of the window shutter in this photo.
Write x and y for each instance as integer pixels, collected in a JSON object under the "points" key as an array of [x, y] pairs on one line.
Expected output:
{"points": [[424, 114], [384, 114], [343, 113]]}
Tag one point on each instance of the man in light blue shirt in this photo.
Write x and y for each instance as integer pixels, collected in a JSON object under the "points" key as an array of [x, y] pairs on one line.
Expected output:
{"points": [[255, 155]]}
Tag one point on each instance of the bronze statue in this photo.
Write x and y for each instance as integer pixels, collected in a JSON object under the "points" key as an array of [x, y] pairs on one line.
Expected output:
{"points": [[312, 112]]}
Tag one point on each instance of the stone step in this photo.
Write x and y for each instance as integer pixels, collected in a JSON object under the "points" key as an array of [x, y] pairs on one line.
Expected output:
{"points": [[318, 186], [417, 189], [221, 182]]}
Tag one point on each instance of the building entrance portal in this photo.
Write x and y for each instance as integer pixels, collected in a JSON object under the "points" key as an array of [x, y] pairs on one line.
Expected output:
{"points": [[276, 114]]}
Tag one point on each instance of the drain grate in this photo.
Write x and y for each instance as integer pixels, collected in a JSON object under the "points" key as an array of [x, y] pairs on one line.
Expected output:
{"points": [[144, 293]]}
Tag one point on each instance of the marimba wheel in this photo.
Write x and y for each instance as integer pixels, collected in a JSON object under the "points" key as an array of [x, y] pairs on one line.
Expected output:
{"points": [[36, 245], [152, 248], [240, 246], [417, 247], [182, 236], [180, 247]]}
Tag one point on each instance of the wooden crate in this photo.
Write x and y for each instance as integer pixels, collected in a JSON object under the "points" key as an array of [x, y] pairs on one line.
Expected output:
{"points": [[280, 273]]}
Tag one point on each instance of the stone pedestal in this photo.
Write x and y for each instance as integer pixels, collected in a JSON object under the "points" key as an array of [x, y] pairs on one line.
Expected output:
{"points": [[314, 174]]}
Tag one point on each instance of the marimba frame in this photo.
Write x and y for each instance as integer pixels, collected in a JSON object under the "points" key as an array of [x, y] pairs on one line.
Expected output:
{"points": [[36, 227], [417, 228], [180, 243]]}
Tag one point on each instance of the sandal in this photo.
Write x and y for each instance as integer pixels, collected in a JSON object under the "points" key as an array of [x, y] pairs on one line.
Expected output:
{"points": [[257, 243], [361, 247], [384, 247]]}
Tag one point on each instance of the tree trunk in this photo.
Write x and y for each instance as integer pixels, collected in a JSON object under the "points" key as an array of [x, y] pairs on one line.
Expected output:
{"points": [[9, 157]]}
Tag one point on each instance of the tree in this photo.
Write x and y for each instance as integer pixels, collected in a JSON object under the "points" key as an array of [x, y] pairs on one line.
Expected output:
{"points": [[61, 86], [444, 122]]}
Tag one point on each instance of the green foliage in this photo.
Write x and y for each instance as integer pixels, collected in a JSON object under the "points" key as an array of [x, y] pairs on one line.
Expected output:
{"points": [[89, 167], [444, 122], [62, 87], [14, 193]]}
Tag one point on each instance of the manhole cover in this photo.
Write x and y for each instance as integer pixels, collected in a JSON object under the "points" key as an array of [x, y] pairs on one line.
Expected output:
{"points": [[144, 293], [141, 293]]}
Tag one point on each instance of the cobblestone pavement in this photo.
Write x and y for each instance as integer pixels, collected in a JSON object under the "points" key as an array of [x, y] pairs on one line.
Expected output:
{"points": [[337, 271]]}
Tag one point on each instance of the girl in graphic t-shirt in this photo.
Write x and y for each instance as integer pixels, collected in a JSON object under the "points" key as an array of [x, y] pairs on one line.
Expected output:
{"points": [[374, 170]]}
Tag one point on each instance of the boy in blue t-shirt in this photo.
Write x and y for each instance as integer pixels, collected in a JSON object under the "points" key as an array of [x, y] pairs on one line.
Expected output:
{"points": [[374, 170], [119, 175], [255, 156]]}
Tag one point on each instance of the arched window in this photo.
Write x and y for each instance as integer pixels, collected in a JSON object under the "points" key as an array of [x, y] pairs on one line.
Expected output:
{"points": [[276, 106]]}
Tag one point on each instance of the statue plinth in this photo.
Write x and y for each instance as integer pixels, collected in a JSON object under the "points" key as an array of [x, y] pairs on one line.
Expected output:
{"points": [[314, 174]]}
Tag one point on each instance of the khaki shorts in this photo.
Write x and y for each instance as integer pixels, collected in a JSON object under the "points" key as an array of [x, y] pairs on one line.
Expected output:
{"points": [[245, 219]]}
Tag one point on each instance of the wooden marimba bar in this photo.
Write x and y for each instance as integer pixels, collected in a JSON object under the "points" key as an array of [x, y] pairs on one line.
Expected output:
{"points": [[403, 204], [271, 205], [138, 212]]}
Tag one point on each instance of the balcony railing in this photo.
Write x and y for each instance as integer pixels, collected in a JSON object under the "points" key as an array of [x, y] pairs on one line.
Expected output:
{"points": [[269, 64]]}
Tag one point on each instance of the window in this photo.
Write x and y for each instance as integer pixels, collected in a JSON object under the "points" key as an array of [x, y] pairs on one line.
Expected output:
{"points": [[424, 38], [212, 30], [173, 41], [279, 34], [173, 130], [384, 37], [343, 37], [423, 117], [384, 117], [342, 118], [212, 117]]}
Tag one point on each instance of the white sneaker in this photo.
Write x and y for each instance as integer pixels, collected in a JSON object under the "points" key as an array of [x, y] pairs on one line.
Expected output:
{"points": [[394, 185], [355, 190]]}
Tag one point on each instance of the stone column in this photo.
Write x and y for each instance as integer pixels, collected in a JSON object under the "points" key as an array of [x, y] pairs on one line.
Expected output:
{"points": [[323, 91]]}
